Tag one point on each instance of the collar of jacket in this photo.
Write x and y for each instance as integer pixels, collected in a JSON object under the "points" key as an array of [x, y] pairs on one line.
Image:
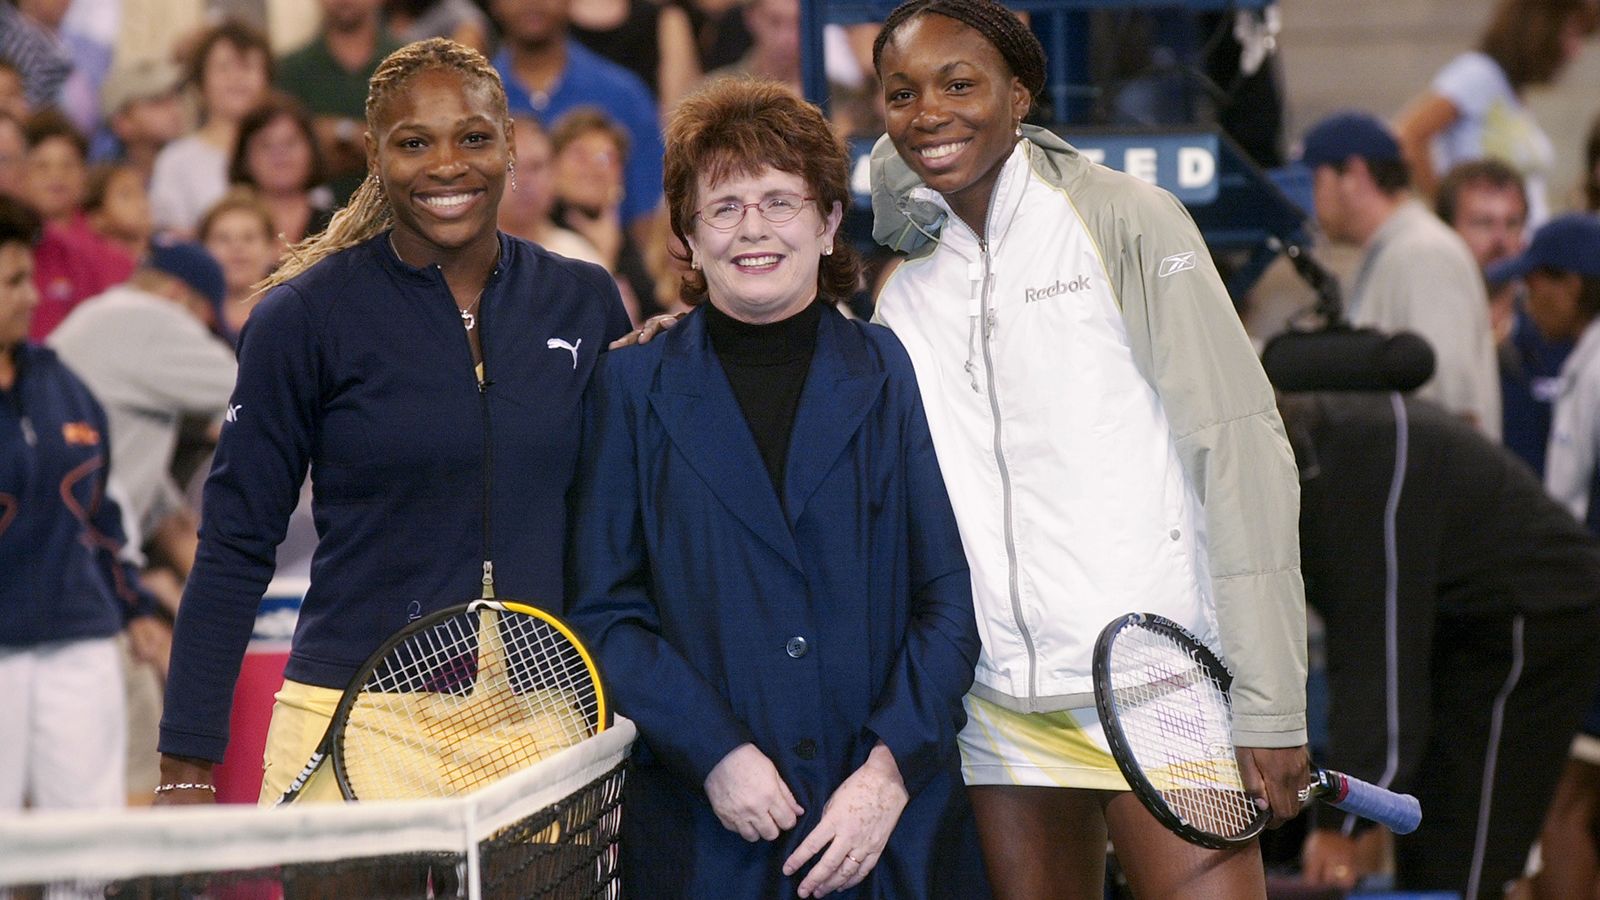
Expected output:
{"points": [[906, 222], [382, 246], [697, 409]]}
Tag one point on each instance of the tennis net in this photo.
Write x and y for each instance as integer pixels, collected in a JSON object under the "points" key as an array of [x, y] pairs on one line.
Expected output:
{"points": [[549, 831]]}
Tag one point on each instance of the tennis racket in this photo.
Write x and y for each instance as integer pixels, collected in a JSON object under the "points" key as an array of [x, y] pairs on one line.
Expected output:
{"points": [[456, 700], [1163, 701]]}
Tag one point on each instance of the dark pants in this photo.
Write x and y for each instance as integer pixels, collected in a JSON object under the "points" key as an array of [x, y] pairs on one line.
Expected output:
{"points": [[1506, 695]]}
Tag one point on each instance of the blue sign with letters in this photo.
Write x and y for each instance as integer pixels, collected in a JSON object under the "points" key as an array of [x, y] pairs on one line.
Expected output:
{"points": [[1183, 163]]}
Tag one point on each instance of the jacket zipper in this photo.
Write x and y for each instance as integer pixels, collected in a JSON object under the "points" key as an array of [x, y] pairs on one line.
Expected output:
{"points": [[989, 315], [488, 443], [483, 383]]}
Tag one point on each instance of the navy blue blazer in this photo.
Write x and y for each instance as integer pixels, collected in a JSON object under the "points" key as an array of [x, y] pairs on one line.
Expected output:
{"points": [[813, 629]]}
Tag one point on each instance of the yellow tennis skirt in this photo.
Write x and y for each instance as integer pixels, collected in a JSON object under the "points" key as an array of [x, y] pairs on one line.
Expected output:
{"points": [[412, 744], [1059, 749], [300, 716]]}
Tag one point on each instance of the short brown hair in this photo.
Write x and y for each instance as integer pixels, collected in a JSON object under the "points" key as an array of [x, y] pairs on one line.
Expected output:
{"points": [[242, 36], [238, 199], [1488, 173], [51, 123], [582, 120], [742, 126], [1524, 37], [275, 106]]}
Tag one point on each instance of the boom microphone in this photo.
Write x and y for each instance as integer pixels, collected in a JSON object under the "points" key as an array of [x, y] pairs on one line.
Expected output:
{"points": [[1347, 359]]}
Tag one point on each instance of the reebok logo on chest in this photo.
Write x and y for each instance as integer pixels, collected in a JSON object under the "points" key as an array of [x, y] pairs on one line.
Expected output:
{"points": [[1059, 287]]}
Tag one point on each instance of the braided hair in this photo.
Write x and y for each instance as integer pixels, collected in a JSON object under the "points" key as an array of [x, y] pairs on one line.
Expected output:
{"points": [[998, 25], [368, 214]]}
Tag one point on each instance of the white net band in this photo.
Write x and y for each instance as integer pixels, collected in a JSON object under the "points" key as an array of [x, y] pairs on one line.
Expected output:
{"points": [[109, 845]]}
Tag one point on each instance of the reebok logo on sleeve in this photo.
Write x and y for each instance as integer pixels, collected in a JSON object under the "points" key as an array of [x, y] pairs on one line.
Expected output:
{"points": [[1177, 262]]}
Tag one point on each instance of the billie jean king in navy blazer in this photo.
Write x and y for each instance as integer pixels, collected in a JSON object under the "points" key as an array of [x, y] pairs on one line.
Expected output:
{"points": [[813, 628]]}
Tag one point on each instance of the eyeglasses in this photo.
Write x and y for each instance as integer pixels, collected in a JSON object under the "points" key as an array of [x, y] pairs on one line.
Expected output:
{"points": [[725, 215]]}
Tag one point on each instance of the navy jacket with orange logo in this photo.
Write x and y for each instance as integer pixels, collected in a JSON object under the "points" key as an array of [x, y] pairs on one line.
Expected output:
{"points": [[60, 576]]}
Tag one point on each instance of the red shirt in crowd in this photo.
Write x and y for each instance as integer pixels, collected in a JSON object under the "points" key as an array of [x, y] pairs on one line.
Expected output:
{"points": [[72, 263]]}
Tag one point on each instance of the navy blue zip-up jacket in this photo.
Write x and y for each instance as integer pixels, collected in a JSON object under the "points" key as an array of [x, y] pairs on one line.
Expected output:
{"points": [[360, 369], [60, 577]]}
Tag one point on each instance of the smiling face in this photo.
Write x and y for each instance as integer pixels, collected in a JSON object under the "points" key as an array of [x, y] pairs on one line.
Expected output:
{"points": [[953, 106], [761, 271], [441, 152]]}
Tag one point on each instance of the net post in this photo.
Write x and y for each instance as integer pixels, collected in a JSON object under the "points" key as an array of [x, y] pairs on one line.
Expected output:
{"points": [[474, 862]]}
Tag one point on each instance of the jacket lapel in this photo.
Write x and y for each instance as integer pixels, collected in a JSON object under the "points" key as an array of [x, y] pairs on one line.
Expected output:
{"points": [[842, 386], [702, 417]]}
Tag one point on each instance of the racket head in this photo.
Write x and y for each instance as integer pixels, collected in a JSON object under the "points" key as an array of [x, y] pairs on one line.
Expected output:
{"points": [[1163, 702], [461, 698]]}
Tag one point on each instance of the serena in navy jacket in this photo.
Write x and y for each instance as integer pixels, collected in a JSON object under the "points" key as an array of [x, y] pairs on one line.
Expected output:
{"points": [[427, 484], [60, 578]]}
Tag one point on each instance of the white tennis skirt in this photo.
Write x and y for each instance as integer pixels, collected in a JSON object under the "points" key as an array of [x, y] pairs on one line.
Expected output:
{"points": [[1060, 749]]}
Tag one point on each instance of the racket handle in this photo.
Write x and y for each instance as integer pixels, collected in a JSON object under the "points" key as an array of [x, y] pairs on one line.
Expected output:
{"points": [[1400, 813]]}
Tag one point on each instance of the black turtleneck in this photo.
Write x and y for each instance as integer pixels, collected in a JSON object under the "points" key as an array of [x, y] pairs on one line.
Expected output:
{"points": [[767, 365]]}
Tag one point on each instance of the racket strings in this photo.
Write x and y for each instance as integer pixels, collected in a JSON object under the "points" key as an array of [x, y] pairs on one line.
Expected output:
{"points": [[464, 703], [1177, 723]]}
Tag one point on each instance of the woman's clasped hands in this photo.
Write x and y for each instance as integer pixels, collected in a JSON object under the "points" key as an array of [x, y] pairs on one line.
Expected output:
{"points": [[751, 798], [856, 823]]}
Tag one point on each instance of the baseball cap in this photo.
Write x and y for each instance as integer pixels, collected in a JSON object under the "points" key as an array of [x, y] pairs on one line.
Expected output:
{"points": [[1343, 135], [144, 79], [191, 264], [1569, 243]]}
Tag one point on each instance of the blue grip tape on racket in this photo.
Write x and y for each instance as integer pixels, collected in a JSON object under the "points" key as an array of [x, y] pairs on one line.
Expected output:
{"points": [[1400, 813]]}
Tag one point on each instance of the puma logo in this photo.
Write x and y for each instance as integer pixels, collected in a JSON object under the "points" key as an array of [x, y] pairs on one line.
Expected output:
{"points": [[232, 415], [559, 344]]}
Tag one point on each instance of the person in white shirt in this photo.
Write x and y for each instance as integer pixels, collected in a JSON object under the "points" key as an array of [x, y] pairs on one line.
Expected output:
{"points": [[1415, 273], [1474, 107]]}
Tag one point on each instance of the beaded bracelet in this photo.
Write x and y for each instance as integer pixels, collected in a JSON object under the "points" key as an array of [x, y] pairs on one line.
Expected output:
{"points": [[185, 786]]}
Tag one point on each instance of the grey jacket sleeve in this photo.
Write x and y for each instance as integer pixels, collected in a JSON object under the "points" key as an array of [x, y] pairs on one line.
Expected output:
{"points": [[1189, 341]]}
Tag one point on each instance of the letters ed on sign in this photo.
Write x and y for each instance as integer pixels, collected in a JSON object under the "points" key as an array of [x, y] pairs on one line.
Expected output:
{"points": [[1183, 163]]}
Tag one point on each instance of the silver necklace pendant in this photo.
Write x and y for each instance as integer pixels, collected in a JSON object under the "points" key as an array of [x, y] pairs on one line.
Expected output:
{"points": [[469, 320]]}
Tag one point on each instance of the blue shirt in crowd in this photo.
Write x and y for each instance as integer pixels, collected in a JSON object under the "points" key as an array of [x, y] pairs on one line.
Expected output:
{"points": [[593, 80]]}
